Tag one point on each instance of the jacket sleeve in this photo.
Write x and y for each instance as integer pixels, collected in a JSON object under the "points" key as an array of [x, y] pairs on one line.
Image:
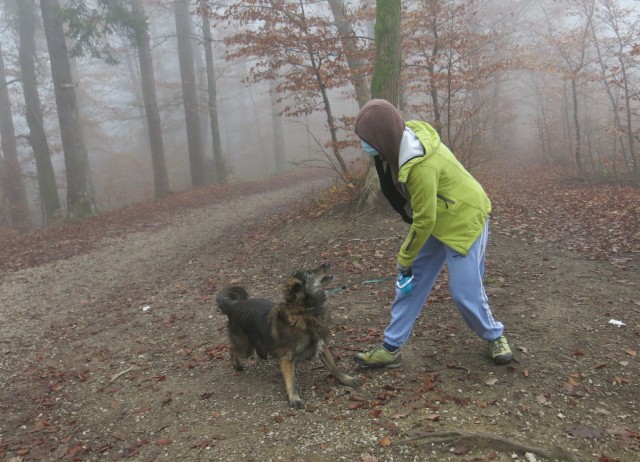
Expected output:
{"points": [[389, 190], [422, 184]]}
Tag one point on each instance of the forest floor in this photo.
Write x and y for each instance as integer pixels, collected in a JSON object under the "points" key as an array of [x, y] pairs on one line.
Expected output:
{"points": [[112, 348]]}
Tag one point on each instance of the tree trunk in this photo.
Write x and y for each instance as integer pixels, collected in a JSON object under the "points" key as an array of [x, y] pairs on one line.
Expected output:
{"points": [[385, 83], [612, 98], [201, 90], [628, 109], [11, 179], [576, 123], [437, 117], [330, 120], [386, 75], [279, 153], [80, 203], [148, 84], [49, 197], [189, 95], [220, 173], [350, 48], [332, 129], [326, 103]]}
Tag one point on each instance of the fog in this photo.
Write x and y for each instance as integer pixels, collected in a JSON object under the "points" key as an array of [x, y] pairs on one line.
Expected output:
{"points": [[511, 80]]}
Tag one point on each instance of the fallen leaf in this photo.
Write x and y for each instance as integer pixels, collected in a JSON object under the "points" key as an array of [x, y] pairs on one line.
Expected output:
{"points": [[542, 399], [73, 451], [163, 442], [385, 442], [402, 412], [427, 384], [605, 458], [356, 405], [460, 449], [391, 428]]}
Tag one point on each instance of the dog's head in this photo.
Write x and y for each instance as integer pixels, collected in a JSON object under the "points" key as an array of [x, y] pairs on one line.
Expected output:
{"points": [[306, 287]]}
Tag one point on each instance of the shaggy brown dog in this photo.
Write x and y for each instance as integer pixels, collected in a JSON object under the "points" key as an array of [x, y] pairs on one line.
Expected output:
{"points": [[293, 330]]}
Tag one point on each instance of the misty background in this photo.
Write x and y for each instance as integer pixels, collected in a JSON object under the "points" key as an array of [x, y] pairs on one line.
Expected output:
{"points": [[503, 81]]}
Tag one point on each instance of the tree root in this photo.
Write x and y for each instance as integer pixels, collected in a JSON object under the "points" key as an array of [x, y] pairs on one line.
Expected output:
{"points": [[481, 439]]}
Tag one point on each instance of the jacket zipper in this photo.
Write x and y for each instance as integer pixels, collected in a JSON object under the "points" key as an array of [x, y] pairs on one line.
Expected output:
{"points": [[446, 201], [413, 236]]}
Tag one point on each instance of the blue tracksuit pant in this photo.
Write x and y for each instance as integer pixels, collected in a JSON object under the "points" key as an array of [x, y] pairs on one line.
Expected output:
{"points": [[465, 280]]}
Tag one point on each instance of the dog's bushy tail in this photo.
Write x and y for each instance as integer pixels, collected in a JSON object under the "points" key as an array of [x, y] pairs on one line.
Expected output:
{"points": [[229, 296]]}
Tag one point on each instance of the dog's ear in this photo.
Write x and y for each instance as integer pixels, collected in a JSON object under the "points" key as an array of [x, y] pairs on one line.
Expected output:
{"points": [[294, 288]]}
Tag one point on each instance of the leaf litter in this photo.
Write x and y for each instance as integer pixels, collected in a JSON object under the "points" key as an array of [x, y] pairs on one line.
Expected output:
{"points": [[96, 381]]}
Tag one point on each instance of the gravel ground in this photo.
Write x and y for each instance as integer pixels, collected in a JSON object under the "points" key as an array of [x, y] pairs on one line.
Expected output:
{"points": [[119, 353]]}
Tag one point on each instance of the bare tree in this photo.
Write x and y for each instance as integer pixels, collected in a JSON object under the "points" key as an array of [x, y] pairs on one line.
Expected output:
{"points": [[11, 174], [351, 50], [613, 17], [48, 189], [148, 84], [220, 172], [572, 46], [302, 50], [279, 153], [80, 202], [189, 94]]}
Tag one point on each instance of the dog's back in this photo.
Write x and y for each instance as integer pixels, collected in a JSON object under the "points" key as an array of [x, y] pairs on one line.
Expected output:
{"points": [[234, 301], [249, 326]]}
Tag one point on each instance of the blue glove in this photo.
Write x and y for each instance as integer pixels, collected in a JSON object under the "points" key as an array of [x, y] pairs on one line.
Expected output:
{"points": [[404, 282]]}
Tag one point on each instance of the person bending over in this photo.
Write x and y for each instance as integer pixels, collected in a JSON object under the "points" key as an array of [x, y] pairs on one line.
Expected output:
{"points": [[449, 215]]}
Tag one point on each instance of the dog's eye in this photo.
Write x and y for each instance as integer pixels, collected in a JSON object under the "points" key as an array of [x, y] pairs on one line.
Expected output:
{"points": [[308, 274]]}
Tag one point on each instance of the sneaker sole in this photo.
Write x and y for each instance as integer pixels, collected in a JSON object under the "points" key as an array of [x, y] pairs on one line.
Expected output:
{"points": [[502, 360], [392, 365]]}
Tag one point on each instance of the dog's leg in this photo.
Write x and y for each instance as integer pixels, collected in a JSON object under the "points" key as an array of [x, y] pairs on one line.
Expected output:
{"points": [[235, 360], [240, 346], [288, 369], [327, 359]]}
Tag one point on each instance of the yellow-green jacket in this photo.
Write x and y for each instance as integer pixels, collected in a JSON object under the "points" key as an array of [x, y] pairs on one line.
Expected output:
{"points": [[447, 202]]}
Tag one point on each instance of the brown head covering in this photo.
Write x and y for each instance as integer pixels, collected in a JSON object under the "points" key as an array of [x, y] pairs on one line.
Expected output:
{"points": [[381, 126]]}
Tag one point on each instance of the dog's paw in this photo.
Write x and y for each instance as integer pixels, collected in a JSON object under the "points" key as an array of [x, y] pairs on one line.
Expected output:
{"points": [[296, 403], [354, 382]]}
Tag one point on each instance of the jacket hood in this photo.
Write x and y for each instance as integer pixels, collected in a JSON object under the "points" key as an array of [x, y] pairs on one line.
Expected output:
{"points": [[381, 125]]}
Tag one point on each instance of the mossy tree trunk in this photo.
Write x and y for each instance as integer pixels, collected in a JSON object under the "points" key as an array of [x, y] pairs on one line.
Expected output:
{"points": [[385, 83]]}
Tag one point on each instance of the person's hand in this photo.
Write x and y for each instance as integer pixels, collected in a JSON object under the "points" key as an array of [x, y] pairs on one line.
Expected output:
{"points": [[404, 281], [404, 270]]}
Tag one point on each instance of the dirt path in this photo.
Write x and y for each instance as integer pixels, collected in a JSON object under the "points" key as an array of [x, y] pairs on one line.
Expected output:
{"points": [[120, 353]]}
